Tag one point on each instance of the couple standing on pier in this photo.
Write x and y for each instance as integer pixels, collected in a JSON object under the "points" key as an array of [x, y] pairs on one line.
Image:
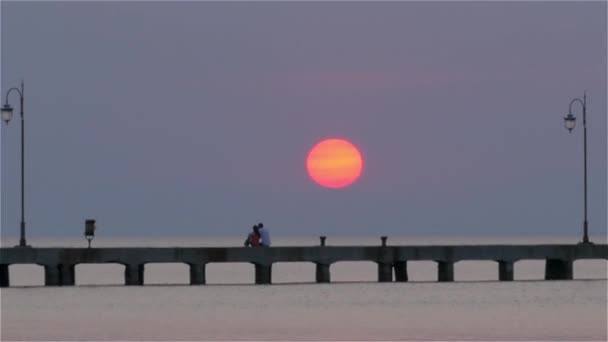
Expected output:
{"points": [[258, 237]]}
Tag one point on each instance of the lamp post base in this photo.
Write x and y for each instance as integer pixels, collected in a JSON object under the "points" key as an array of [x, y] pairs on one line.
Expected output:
{"points": [[22, 242], [585, 230]]}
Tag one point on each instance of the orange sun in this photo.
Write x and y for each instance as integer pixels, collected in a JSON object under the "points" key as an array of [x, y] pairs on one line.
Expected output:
{"points": [[334, 163]]}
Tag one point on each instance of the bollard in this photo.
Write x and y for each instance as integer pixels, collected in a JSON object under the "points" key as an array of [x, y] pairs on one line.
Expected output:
{"points": [[383, 238], [322, 238]]}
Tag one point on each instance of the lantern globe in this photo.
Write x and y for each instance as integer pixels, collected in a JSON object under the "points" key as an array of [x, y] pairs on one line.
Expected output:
{"points": [[7, 113]]}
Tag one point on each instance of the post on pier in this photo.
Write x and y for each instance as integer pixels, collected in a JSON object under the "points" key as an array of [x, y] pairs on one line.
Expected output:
{"points": [[67, 274], [445, 271], [197, 274], [52, 276], [263, 274], [385, 272], [400, 271], [322, 274], [4, 278], [505, 270], [556, 269], [134, 274]]}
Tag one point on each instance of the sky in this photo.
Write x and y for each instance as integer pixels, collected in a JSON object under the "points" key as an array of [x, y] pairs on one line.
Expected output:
{"points": [[194, 119]]}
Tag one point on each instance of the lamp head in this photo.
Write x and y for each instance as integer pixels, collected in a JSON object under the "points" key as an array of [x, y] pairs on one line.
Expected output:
{"points": [[7, 113], [89, 229], [569, 122]]}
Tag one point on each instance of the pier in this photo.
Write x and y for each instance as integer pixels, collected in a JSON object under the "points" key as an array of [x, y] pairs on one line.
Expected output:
{"points": [[59, 263]]}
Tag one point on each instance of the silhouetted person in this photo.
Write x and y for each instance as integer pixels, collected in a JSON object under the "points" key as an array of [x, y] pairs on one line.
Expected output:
{"points": [[253, 239], [264, 235]]}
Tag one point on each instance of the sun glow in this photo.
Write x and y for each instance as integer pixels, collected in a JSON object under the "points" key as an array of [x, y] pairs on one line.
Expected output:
{"points": [[334, 163]]}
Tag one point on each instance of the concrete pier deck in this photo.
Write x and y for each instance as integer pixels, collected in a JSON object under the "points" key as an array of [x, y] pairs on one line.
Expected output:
{"points": [[59, 263]]}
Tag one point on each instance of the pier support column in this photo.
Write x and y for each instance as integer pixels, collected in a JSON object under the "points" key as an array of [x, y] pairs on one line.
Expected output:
{"points": [[52, 276], [197, 274], [505, 270], [445, 271], [66, 274], [385, 272], [556, 269], [322, 274], [263, 274], [4, 280], [400, 271], [134, 274]]}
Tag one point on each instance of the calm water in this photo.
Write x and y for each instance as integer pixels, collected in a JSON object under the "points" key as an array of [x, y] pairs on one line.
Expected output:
{"points": [[355, 308]]}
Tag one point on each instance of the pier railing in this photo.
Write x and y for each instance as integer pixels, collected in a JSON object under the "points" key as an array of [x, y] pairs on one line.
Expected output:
{"points": [[59, 263]]}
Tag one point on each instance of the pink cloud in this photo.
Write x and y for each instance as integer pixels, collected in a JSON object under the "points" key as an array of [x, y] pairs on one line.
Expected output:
{"points": [[338, 81]]}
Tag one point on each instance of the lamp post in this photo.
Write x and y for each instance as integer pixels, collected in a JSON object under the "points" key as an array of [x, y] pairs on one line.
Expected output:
{"points": [[7, 115], [570, 123]]}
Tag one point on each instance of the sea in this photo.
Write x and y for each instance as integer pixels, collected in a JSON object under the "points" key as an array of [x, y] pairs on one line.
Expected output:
{"points": [[353, 307]]}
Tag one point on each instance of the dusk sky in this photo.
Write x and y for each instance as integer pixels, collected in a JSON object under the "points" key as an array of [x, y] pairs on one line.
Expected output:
{"points": [[195, 118]]}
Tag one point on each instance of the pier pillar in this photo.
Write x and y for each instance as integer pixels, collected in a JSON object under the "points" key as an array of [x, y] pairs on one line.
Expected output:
{"points": [[4, 280], [445, 271], [134, 274], [385, 272], [556, 269], [505, 270], [66, 274], [52, 276], [263, 274], [322, 274], [400, 271], [197, 274]]}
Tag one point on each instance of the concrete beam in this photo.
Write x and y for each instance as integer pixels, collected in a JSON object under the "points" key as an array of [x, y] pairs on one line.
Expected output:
{"points": [[322, 273], [445, 271], [197, 274], [134, 274], [385, 272], [315, 254], [505, 270], [4, 278], [400, 271], [556, 269], [263, 274]]}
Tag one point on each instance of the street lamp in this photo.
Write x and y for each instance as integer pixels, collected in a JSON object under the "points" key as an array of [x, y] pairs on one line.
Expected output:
{"points": [[89, 230], [570, 123], [7, 115]]}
